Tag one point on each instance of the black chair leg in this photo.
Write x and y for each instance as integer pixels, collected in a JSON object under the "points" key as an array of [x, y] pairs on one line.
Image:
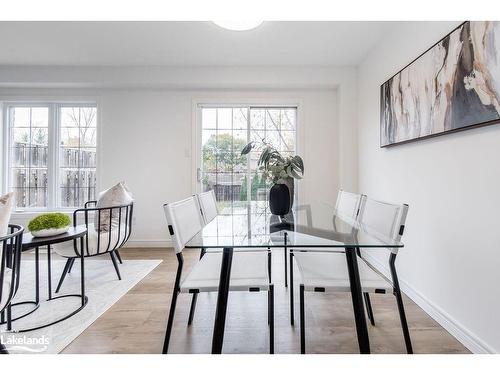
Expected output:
{"points": [[115, 264], [192, 309], [404, 323], [271, 319], [399, 300], [292, 318], [302, 322], [118, 256], [269, 261], [67, 266], [369, 310], [170, 321], [9, 317], [3, 349], [286, 268], [71, 265]]}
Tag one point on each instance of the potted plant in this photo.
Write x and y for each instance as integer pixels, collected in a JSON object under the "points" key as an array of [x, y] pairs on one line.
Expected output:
{"points": [[50, 224], [281, 172]]}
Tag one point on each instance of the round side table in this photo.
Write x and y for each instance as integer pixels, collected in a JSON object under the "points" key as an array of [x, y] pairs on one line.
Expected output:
{"points": [[29, 243]]}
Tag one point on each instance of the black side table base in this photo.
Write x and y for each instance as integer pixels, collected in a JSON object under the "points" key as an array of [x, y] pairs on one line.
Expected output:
{"points": [[58, 320], [35, 307]]}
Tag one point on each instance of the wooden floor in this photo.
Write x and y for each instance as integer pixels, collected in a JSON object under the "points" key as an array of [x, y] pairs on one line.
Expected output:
{"points": [[136, 323]]}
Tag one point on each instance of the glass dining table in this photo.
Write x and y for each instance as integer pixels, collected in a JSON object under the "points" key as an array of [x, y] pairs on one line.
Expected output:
{"points": [[241, 226]]}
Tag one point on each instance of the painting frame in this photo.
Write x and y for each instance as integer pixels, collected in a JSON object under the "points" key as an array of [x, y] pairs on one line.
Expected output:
{"points": [[432, 135]]}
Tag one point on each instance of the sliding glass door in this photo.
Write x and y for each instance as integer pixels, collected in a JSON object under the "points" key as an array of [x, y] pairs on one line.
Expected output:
{"points": [[225, 130]]}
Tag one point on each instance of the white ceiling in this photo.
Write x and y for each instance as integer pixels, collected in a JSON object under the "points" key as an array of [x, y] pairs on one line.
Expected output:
{"points": [[187, 43]]}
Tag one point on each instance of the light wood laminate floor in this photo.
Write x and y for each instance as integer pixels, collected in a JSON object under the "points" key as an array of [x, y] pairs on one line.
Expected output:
{"points": [[136, 323]]}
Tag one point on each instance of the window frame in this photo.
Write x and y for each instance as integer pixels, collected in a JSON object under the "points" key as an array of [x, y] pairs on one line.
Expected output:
{"points": [[54, 136], [270, 103]]}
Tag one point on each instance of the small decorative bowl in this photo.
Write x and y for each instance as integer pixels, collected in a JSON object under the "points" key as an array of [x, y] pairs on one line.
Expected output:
{"points": [[49, 232], [49, 224]]}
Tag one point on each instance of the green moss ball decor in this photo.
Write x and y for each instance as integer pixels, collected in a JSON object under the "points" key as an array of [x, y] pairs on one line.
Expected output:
{"points": [[50, 224]]}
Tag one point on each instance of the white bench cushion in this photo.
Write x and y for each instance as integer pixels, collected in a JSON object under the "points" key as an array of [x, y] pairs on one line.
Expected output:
{"points": [[329, 271], [248, 270], [66, 249]]}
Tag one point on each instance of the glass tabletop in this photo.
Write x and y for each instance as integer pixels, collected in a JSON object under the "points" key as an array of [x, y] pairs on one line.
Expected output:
{"points": [[314, 225]]}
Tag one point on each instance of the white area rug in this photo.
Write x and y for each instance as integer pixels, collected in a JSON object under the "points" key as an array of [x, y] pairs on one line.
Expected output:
{"points": [[103, 289]]}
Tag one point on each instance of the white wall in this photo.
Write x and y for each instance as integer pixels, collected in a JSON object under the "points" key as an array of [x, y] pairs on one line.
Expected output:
{"points": [[452, 255], [146, 124]]}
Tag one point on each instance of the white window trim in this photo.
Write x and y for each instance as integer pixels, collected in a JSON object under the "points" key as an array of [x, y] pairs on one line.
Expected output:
{"points": [[53, 142]]}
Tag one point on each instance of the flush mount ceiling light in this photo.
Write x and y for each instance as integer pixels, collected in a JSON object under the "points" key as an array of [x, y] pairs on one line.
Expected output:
{"points": [[240, 25]]}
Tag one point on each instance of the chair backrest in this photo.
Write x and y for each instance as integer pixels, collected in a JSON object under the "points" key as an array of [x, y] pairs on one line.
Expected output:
{"points": [[348, 204], [386, 219], [208, 205], [184, 221], [10, 263]]}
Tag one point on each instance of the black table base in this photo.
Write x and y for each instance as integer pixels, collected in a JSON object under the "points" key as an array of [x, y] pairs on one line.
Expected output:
{"points": [[83, 298]]}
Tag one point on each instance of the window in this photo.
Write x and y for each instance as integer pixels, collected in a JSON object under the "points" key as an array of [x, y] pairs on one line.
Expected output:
{"points": [[50, 154], [225, 131]]}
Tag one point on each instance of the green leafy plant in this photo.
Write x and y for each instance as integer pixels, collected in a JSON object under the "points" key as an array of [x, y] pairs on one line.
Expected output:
{"points": [[49, 221], [275, 167]]}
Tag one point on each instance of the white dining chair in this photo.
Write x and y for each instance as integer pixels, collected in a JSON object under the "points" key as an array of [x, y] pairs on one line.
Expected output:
{"points": [[327, 271], [347, 208], [248, 269], [208, 205]]}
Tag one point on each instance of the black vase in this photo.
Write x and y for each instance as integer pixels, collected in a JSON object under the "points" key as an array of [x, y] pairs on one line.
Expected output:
{"points": [[279, 199]]}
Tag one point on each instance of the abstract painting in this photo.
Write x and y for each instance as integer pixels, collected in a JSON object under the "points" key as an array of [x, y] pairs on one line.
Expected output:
{"points": [[452, 86]]}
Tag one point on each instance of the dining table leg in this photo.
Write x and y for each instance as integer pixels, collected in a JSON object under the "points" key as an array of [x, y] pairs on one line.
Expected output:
{"points": [[223, 292], [357, 300]]}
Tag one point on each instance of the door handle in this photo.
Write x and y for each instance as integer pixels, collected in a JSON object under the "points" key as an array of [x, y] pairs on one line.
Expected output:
{"points": [[198, 174]]}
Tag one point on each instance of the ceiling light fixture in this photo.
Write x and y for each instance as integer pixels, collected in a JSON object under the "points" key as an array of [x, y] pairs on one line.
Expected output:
{"points": [[240, 25]]}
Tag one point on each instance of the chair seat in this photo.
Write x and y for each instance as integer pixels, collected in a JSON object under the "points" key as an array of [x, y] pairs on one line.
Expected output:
{"points": [[7, 280], [248, 270], [329, 271], [118, 235]]}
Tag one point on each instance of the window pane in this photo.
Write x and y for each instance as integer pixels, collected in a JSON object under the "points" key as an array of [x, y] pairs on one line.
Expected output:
{"points": [[77, 155], [224, 118], [70, 117], [28, 149], [209, 118], [20, 117]]}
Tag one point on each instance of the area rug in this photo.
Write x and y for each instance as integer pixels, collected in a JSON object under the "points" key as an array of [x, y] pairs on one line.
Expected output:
{"points": [[102, 288]]}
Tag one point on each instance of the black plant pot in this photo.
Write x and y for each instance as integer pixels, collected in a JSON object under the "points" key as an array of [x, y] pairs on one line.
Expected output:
{"points": [[279, 199]]}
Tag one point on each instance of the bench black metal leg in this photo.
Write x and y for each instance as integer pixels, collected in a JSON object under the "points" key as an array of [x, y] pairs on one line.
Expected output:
{"points": [[115, 264], [67, 266], [369, 310]]}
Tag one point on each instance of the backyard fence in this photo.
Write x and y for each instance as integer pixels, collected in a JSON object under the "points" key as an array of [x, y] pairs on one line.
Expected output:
{"points": [[77, 175]]}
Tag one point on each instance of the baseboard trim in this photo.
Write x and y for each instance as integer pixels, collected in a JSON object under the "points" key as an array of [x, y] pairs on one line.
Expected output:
{"points": [[148, 243], [462, 334]]}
